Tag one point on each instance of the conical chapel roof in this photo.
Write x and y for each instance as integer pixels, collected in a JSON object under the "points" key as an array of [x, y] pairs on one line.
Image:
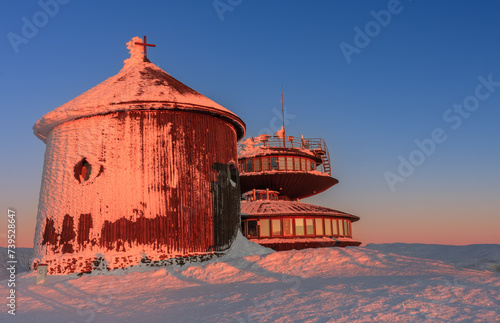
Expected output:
{"points": [[138, 86]]}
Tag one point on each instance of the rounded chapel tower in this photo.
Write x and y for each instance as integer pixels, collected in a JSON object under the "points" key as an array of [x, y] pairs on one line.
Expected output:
{"points": [[139, 168]]}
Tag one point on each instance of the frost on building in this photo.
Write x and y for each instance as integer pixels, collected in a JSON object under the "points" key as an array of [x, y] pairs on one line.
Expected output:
{"points": [[277, 171], [140, 168]]}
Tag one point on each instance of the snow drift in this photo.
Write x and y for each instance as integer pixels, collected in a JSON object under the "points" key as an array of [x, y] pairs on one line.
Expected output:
{"points": [[384, 283]]}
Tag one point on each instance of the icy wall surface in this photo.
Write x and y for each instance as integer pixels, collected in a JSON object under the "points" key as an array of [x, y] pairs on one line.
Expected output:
{"points": [[159, 187]]}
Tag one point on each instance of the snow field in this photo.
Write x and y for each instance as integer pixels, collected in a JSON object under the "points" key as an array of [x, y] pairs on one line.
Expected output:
{"points": [[381, 283]]}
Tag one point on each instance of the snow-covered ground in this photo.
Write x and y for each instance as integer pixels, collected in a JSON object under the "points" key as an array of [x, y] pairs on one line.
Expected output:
{"points": [[379, 282]]}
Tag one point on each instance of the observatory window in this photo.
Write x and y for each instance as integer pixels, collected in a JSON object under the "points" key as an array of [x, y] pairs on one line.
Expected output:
{"points": [[282, 165], [276, 225], [299, 227], [335, 227], [274, 163], [256, 165], [243, 165], [346, 228], [265, 163], [310, 227], [341, 228], [297, 163], [233, 175], [328, 227], [303, 164], [264, 228], [289, 163], [252, 229], [83, 170], [319, 226], [312, 165], [249, 165], [287, 227]]}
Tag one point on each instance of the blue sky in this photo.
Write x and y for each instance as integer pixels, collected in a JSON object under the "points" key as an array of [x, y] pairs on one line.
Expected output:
{"points": [[394, 91]]}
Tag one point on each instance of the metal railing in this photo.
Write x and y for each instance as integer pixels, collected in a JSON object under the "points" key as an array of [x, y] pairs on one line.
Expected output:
{"points": [[316, 145]]}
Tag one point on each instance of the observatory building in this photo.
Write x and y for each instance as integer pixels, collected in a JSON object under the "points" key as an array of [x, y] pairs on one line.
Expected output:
{"points": [[277, 171], [140, 168]]}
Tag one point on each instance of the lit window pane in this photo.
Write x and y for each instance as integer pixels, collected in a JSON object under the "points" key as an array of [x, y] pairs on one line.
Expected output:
{"points": [[309, 226], [289, 163], [276, 227], [341, 228], [303, 164], [287, 227], [319, 226], [335, 227], [264, 228], [296, 161], [265, 163], [282, 163], [256, 165], [328, 227], [299, 227]]}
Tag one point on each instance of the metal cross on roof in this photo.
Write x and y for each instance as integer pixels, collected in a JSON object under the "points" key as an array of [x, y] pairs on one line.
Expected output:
{"points": [[145, 44]]}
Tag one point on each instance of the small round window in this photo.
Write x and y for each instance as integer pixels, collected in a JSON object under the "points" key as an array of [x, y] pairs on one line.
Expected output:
{"points": [[83, 169]]}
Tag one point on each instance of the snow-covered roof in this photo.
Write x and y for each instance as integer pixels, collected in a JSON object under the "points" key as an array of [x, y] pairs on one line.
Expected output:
{"points": [[255, 151], [138, 86], [275, 208]]}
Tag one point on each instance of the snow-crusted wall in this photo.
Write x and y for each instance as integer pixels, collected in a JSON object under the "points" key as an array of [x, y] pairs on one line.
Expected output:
{"points": [[161, 185]]}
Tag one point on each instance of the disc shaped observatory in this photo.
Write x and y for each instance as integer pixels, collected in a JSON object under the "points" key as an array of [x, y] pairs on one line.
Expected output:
{"points": [[277, 171], [139, 168]]}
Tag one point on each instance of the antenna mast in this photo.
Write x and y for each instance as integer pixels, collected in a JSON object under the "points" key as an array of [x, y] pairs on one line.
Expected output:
{"points": [[283, 116]]}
